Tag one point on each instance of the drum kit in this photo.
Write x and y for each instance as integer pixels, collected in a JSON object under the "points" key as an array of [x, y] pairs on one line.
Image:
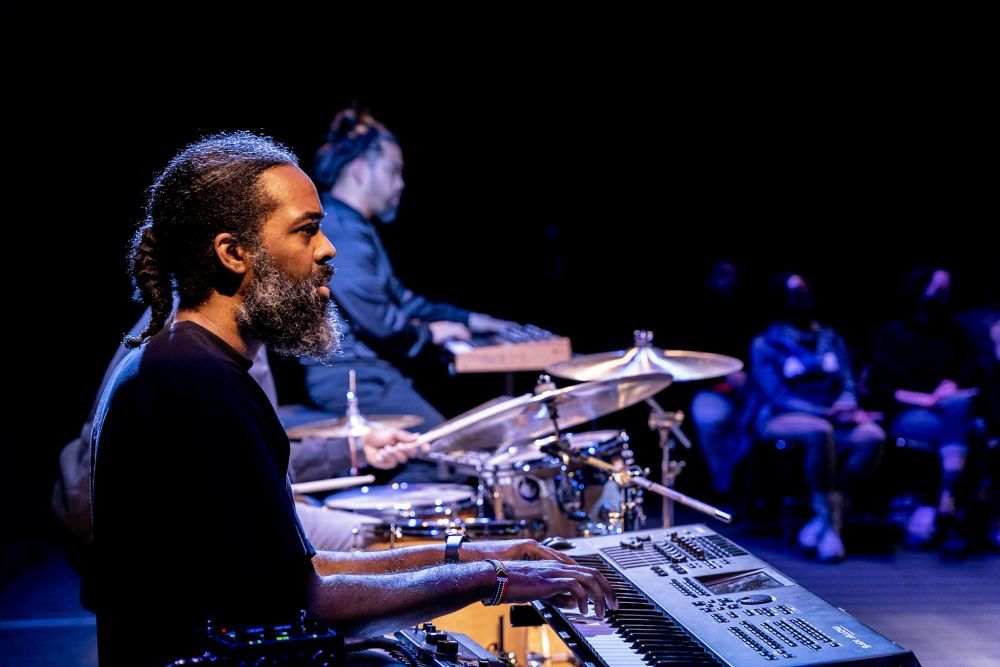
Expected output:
{"points": [[534, 476]]}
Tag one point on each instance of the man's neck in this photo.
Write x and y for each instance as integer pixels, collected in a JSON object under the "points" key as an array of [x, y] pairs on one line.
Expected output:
{"points": [[351, 197], [218, 315]]}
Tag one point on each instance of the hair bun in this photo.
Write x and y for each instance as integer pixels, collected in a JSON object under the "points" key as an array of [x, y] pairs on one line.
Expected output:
{"points": [[342, 125]]}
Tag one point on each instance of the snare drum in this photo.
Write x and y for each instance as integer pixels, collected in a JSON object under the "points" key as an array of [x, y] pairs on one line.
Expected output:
{"points": [[402, 502], [421, 532]]}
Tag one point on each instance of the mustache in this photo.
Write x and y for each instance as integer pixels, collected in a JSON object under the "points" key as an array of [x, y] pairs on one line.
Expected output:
{"points": [[324, 276]]}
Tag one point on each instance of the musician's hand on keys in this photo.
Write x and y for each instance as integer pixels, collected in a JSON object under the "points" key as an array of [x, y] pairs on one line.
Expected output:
{"points": [[510, 550], [444, 330], [482, 323], [388, 447], [561, 584]]}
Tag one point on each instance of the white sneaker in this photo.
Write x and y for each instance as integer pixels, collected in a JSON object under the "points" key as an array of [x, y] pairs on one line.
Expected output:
{"points": [[809, 535], [920, 527], [830, 547]]}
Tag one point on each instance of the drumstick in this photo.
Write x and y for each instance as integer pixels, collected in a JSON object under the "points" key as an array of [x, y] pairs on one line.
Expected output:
{"points": [[331, 484], [457, 424]]}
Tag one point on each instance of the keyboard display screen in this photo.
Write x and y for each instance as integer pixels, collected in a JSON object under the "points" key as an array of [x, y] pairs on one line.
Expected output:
{"points": [[738, 582]]}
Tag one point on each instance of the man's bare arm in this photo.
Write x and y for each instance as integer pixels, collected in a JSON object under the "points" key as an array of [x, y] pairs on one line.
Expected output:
{"points": [[378, 562], [412, 558], [366, 605]]}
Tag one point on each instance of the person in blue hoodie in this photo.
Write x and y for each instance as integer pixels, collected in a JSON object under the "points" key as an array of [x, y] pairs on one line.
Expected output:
{"points": [[803, 373]]}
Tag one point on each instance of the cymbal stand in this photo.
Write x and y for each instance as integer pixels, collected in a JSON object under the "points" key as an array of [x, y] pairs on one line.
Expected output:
{"points": [[543, 385], [572, 491], [357, 425], [667, 424]]}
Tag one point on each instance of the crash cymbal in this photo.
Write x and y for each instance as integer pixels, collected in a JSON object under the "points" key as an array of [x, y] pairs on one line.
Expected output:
{"points": [[528, 416], [342, 426], [682, 365]]}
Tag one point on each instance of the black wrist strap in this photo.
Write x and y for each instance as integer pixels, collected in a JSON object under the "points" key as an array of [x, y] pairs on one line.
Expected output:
{"points": [[451, 546]]}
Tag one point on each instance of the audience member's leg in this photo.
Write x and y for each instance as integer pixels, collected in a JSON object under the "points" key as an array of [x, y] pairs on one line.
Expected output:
{"points": [[956, 419], [928, 425], [815, 434], [713, 415], [861, 450]]}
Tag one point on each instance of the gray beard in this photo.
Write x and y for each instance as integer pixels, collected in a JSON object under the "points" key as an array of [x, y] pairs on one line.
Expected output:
{"points": [[287, 314]]}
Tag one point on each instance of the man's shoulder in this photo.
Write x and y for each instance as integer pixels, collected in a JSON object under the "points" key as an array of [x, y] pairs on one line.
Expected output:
{"points": [[184, 353]]}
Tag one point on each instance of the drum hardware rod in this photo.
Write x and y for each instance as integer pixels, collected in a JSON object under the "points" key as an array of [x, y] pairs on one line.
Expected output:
{"points": [[668, 426], [356, 423], [543, 385], [626, 477], [662, 419], [500, 637], [567, 481], [631, 514], [333, 484], [480, 494]]}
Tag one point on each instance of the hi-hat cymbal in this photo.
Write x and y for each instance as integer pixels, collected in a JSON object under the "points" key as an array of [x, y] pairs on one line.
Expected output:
{"points": [[342, 427], [528, 416], [682, 365]]}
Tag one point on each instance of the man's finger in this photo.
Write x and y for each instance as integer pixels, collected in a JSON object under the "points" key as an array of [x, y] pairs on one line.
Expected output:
{"points": [[559, 556], [540, 551], [594, 592], [579, 592], [403, 436]]}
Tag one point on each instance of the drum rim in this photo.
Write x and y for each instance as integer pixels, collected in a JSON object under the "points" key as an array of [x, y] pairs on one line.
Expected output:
{"points": [[481, 527], [463, 494], [549, 461]]}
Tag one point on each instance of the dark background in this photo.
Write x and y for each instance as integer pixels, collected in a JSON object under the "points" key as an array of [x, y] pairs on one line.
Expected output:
{"points": [[585, 195]]}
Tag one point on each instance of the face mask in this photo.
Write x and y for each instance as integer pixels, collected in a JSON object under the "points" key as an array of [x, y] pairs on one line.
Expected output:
{"points": [[799, 308], [937, 306]]}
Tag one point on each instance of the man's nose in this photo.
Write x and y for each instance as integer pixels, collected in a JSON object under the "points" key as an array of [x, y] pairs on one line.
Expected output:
{"points": [[324, 249]]}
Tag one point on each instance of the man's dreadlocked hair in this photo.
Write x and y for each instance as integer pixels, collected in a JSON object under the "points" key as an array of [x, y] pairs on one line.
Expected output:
{"points": [[211, 187]]}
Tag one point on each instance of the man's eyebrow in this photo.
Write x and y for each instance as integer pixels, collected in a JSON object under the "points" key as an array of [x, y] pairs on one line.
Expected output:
{"points": [[308, 215]]}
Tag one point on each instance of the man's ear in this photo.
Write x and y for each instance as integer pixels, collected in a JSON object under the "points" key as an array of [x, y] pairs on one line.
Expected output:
{"points": [[230, 253], [357, 169]]}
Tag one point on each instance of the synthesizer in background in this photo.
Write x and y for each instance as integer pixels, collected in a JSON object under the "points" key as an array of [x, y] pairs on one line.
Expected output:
{"points": [[521, 348], [689, 596]]}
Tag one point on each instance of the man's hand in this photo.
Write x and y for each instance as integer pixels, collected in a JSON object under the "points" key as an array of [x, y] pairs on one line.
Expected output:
{"points": [[444, 330], [843, 410], [481, 323], [388, 447], [945, 389], [510, 550], [561, 584]]}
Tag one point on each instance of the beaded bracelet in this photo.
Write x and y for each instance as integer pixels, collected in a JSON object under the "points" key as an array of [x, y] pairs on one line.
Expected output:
{"points": [[503, 578]]}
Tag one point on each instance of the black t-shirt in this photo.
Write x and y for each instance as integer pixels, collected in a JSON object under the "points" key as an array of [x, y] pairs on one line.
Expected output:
{"points": [[193, 518], [914, 357]]}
